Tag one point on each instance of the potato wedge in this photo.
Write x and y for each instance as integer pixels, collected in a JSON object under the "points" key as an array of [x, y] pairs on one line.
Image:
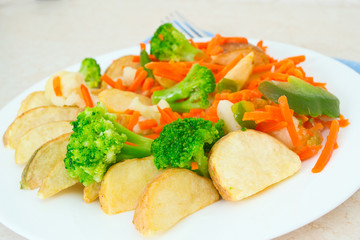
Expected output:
{"points": [[38, 136], [33, 100], [241, 72], [57, 180], [115, 70], [245, 162], [43, 161], [232, 50], [173, 195], [124, 182], [36, 117], [165, 82], [91, 192], [118, 101]]}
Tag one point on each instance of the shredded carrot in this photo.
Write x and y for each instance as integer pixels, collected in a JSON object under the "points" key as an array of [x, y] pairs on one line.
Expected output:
{"points": [[287, 115], [297, 59], [136, 58], [161, 37], [308, 152], [228, 67], [86, 96], [276, 76], [57, 86], [214, 47], [270, 126], [129, 111], [119, 84], [142, 46], [148, 83], [194, 166], [261, 46], [138, 80], [108, 81], [328, 148], [133, 120], [343, 122], [262, 68], [152, 136], [157, 88], [261, 116], [165, 117], [131, 144], [157, 129], [147, 124]]}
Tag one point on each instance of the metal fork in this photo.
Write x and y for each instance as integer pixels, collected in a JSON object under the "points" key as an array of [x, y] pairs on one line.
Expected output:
{"points": [[185, 26]]}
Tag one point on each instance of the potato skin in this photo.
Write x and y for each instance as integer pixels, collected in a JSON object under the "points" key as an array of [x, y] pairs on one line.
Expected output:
{"points": [[33, 100], [245, 162], [173, 195]]}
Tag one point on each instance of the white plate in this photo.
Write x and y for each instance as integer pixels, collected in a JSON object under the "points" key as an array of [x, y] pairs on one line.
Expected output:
{"points": [[278, 210]]}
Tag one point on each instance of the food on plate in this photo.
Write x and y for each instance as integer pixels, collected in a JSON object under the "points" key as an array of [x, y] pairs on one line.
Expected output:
{"points": [[33, 100], [56, 181], [43, 161], [245, 162], [91, 192], [98, 142], [165, 130], [117, 101], [185, 143], [124, 182], [191, 93], [173, 195], [38, 136], [34, 118]]}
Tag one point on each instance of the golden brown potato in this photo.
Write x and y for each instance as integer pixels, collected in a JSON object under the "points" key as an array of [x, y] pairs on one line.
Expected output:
{"points": [[165, 82], [38, 136], [33, 100], [232, 50], [173, 195], [124, 182], [43, 161], [115, 70], [118, 101], [91, 192], [57, 180], [36, 117], [245, 162]]}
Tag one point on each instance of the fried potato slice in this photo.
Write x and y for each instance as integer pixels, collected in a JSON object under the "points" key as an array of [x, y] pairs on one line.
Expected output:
{"points": [[57, 180], [43, 161], [232, 50], [124, 182], [173, 195], [115, 70], [241, 72], [118, 101], [36, 117], [33, 100], [91, 192], [245, 162], [38, 136]]}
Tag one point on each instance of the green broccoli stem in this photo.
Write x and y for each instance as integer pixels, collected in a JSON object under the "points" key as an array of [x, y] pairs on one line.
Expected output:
{"points": [[202, 162], [128, 152], [144, 59], [185, 106]]}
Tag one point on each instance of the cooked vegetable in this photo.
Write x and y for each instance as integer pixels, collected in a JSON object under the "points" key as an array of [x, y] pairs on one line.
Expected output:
{"points": [[245, 162], [170, 197], [91, 192], [36, 117], [185, 141], [225, 113], [38, 136], [124, 182], [303, 97], [192, 92], [33, 100], [170, 44], [239, 109], [145, 59], [90, 69], [98, 142]]}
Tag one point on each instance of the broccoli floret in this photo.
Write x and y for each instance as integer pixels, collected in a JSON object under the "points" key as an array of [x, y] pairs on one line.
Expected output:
{"points": [[170, 44], [91, 71], [98, 142], [185, 141], [192, 92]]}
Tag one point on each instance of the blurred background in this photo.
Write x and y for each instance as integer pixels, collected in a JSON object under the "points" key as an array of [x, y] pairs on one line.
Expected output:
{"points": [[38, 38]]}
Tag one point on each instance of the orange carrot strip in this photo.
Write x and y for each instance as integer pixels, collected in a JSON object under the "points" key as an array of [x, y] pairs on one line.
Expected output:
{"points": [[259, 116], [147, 124], [136, 58], [165, 118], [328, 149], [262, 68], [108, 80], [148, 83], [270, 126], [119, 84], [287, 115], [297, 59], [138, 80], [261, 46], [133, 120], [171, 113], [86, 96], [142, 46], [129, 111], [343, 122], [158, 129], [213, 47], [131, 144], [168, 74], [152, 136], [228, 67], [57, 86], [233, 40], [161, 37], [157, 88], [194, 166], [308, 152]]}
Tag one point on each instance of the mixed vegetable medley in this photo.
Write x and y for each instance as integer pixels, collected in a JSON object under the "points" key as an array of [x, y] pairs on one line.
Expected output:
{"points": [[174, 105]]}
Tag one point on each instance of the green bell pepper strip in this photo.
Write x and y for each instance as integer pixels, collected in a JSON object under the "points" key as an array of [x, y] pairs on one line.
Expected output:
{"points": [[144, 59], [239, 110]]}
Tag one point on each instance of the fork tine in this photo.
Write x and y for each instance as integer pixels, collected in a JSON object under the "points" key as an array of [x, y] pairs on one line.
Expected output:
{"points": [[192, 27], [177, 25], [183, 28]]}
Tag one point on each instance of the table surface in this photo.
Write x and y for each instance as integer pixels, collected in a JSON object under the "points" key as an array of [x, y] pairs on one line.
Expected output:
{"points": [[39, 38]]}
